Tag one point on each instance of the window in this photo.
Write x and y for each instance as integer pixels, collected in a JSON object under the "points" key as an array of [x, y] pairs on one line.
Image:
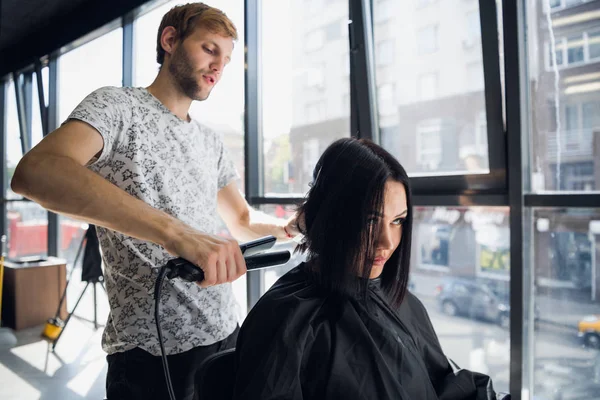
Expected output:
{"points": [[87, 68], [385, 52], [310, 155], [315, 40], [294, 112], [429, 145], [433, 78], [565, 296], [26, 222], [81, 71], [594, 45], [428, 85], [459, 271], [427, 40], [575, 49]]}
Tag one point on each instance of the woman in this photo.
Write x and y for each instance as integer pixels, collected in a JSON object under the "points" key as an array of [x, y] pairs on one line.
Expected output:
{"points": [[342, 325]]}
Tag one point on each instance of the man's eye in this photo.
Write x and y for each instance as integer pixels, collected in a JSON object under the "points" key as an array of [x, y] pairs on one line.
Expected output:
{"points": [[209, 51]]}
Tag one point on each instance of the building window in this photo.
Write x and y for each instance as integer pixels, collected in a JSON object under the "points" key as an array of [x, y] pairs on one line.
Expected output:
{"points": [[427, 40], [573, 50], [594, 45], [428, 86], [429, 145], [385, 52], [315, 40]]}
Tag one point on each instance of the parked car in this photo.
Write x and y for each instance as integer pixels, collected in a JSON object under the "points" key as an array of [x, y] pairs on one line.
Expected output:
{"points": [[475, 298], [589, 331]]}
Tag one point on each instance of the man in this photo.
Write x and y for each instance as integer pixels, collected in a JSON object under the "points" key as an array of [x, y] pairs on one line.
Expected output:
{"points": [[132, 162]]}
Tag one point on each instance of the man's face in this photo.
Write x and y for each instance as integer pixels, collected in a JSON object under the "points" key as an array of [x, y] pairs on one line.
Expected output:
{"points": [[197, 63]]}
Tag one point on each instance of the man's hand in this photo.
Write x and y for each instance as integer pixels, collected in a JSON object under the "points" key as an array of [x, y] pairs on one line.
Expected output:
{"points": [[220, 258]]}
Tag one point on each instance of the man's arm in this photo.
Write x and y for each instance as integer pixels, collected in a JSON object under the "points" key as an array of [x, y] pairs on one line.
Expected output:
{"points": [[245, 223], [54, 175]]}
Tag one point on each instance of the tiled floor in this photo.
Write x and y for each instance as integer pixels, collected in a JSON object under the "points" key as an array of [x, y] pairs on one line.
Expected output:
{"points": [[77, 368]]}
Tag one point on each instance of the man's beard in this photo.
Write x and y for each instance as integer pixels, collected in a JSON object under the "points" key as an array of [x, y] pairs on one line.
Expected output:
{"points": [[183, 73]]}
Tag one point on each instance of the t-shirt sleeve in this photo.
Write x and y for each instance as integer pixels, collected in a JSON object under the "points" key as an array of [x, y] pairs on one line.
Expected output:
{"points": [[227, 171], [106, 110]]}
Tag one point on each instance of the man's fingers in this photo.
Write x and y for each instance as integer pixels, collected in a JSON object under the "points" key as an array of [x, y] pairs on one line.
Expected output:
{"points": [[210, 271], [240, 263]]}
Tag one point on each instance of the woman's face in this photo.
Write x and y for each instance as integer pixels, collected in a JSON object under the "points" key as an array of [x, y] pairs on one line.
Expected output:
{"points": [[394, 214]]}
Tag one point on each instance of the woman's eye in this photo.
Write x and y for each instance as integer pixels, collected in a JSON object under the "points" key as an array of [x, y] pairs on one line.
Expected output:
{"points": [[399, 221]]}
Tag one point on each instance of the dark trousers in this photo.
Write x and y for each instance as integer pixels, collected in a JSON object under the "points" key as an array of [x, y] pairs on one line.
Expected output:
{"points": [[136, 374]]}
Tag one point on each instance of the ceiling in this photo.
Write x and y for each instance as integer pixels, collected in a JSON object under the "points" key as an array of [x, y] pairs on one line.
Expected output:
{"points": [[35, 28]]}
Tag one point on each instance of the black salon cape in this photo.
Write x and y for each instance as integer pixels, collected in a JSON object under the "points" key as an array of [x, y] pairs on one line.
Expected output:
{"points": [[297, 343]]}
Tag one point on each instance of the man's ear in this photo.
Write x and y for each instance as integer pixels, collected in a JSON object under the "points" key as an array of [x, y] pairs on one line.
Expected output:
{"points": [[168, 39]]}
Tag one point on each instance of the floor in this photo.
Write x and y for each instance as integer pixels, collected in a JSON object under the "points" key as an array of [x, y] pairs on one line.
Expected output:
{"points": [[75, 370]]}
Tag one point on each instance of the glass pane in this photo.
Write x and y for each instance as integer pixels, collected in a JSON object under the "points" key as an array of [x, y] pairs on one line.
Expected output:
{"points": [[431, 57], [36, 116], [460, 271], [13, 137], [71, 233], [566, 247], [564, 105], [594, 45], [271, 275], [305, 88], [27, 224], [223, 111], [86, 68]]}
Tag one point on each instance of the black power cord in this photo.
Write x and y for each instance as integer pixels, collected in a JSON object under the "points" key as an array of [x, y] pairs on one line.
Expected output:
{"points": [[183, 269]]}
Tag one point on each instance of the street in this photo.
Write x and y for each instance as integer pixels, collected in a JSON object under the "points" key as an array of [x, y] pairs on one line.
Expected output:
{"points": [[561, 362]]}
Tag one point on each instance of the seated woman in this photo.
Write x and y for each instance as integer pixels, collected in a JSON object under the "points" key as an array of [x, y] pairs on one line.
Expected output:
{"points": [[342, 325]]}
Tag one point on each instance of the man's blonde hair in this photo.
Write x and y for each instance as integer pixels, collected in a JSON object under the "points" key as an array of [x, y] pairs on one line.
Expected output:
{"points": [[188, 17]]}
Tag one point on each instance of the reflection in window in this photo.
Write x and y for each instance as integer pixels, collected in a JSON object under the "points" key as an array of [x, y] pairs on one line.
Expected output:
{"points": [[305, 101], [566, 298], [460, 271], [429, 145], [434, 78]]}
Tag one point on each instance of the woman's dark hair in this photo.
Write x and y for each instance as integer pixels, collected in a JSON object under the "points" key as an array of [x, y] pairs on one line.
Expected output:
{"points": [[340, 240]]}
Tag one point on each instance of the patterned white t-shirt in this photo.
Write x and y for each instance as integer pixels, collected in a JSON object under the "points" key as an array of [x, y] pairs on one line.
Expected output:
{"points": [[175, 166]]}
